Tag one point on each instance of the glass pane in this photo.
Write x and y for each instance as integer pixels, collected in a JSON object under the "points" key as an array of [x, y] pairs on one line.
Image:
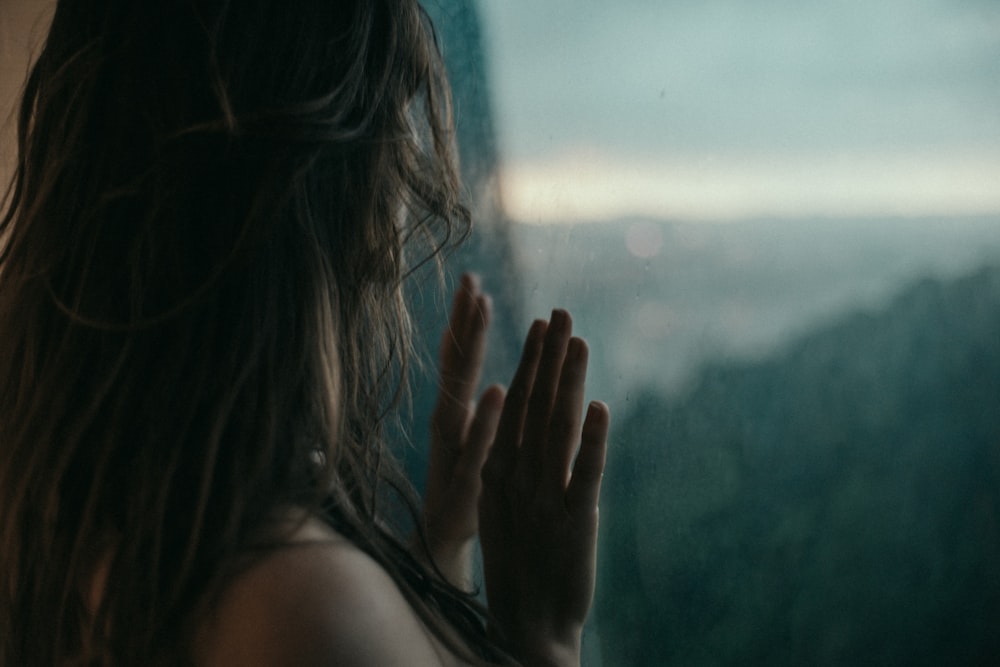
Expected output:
{"points": [[778, 225]]}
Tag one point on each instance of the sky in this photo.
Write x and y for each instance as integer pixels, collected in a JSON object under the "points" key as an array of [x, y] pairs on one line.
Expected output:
{"points": [[729, 109]]}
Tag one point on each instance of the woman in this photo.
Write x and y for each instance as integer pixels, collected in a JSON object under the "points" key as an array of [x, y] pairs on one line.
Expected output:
{"points": [[203, 333]]}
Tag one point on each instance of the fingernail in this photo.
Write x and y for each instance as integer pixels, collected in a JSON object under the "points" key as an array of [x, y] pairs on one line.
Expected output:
{"points": [[577, 349], [594, 409], [560, 320], [494, 396], [535, 334]]}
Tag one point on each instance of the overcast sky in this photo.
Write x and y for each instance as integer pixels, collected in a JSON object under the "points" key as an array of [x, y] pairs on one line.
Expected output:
{"points": [[732, 108]]}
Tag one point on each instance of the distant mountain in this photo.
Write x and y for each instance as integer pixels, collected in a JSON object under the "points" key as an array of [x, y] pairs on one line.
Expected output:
{"points": [[657, 299], [837, 503]]}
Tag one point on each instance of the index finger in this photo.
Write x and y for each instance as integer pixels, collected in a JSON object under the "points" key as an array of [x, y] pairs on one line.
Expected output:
{"points": [[463, 349], [508, 436]]}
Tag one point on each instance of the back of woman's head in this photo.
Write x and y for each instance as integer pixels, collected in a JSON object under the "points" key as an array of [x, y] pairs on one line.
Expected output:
{"points": [[199, 295]]}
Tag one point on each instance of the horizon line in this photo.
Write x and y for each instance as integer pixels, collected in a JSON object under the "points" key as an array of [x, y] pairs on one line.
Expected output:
{"points": [[585, 186]]}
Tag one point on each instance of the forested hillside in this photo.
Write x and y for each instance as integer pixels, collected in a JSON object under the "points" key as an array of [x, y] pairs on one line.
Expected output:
{"points": [[838, 503]]}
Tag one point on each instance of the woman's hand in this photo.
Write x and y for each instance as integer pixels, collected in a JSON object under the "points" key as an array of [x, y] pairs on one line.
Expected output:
{"points": [[461, 435], [538, 511]]}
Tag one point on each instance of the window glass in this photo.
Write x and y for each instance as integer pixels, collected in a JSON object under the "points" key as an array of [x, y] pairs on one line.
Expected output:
{"points": [[778, 225]]}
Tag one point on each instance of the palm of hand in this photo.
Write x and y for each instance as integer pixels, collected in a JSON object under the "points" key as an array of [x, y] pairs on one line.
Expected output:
{"points": [[513, 456], [538, 508]]}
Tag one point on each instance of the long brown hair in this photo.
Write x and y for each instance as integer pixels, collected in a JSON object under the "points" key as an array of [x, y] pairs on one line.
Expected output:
{"points": [[201, 318]]}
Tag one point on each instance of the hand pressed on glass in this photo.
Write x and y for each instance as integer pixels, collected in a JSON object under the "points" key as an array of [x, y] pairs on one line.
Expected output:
{"points": [[461, 435], [538, 509]]}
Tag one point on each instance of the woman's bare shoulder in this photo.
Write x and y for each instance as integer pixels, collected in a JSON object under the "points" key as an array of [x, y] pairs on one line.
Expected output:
{"points": [[320, 601]]}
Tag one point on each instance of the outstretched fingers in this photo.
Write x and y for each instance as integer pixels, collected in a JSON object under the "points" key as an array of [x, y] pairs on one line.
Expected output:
{"points": [[544, 391], [563, 434], [585, 485], [508, 436], [463, 348], [538, 509]]}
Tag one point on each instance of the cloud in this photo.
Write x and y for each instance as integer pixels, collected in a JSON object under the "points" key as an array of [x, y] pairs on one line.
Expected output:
{"points": [[654, 79]]}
